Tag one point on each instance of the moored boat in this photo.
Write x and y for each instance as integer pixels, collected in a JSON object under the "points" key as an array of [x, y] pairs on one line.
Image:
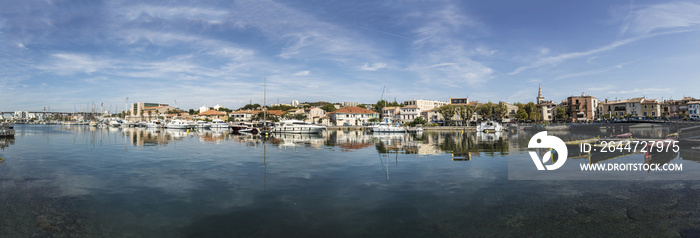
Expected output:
{"points": [[179, 124], [217, 123], [489, 126], [296, 127]]}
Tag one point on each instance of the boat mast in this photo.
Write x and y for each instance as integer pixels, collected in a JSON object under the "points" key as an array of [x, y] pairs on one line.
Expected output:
{"points": [[264, 100]]}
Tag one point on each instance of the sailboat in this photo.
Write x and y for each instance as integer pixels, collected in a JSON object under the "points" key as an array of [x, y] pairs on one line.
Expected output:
{"points": [[385, 126]]}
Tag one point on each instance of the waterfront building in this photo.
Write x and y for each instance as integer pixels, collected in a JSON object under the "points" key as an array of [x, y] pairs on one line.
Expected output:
{"points": [[674, 108], [413, 108], [313, 114], [391, 112], [582, 108], [212, 114], [546, 108], [432, 115], [137, 108], [511, 111], [694, 110], [409, 113], [354, 116], [650, 108], [244, 115]]}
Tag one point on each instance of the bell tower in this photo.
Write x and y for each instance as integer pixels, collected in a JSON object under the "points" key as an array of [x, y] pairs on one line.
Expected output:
{"points": [[540, 98]]}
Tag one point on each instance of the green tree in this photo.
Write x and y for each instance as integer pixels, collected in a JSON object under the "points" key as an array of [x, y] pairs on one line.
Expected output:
{"points": [[250, 107], [362, 106], [521, 114], [560, 114], [485, 110], [501, 110], [328, 108], [418, 120], [447, 111], [465, 112]]}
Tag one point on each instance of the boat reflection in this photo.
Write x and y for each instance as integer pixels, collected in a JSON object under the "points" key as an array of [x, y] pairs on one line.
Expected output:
{"points": [[6, 142]]}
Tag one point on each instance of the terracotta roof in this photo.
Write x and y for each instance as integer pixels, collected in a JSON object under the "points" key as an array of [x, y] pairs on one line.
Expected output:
{"points": [[409, 107], [247, 111], [212, 113], [650, 101], [353, 110], [275, 112]]}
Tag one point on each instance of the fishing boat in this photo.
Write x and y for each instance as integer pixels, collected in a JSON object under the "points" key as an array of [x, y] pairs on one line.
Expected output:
{"points": [[297, 127], [489, 126], [218, 123]]}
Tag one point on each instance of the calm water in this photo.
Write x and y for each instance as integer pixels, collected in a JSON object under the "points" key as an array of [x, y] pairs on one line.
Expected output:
{"points": [[60, 181]]}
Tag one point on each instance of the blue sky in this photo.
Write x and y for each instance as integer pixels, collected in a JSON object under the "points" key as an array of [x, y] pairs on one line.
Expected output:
{"points": [[67, 54]]}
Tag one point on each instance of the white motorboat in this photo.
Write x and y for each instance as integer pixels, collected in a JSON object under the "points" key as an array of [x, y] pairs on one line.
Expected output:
{"points": [[217, 123], [203, 125], [155, 124], [297, 127], [489, 126], [179, 124], [386, 127], [115, 123]]}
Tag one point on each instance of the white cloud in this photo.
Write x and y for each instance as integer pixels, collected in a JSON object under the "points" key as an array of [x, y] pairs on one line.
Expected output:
{"points": [[373, 67], [302, 73]]}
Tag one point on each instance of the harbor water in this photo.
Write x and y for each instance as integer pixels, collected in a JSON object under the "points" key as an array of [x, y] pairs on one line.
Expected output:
{"points": [[81, 181]]}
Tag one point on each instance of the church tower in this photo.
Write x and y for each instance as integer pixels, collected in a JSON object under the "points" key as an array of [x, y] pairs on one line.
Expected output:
{"points": [[540, 98]]}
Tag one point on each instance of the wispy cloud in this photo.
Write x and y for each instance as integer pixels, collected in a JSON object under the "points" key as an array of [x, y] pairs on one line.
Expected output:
{"points": [[666, 16], [373, 67], [441, 56], [646, 22]]}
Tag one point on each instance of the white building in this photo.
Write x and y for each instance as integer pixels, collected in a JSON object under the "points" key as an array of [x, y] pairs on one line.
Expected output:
{"points": [[413, 108], [217, 107], [694, 109], [21, 115], [350, 104], [353, 116], [203, 108], [295, 103]]}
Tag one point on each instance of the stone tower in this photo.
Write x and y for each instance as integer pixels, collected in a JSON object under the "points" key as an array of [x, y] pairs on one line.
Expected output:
{"points": [[540, 98]]}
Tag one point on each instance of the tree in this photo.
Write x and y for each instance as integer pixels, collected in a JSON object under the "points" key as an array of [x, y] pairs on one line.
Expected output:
{"points": [[447, 111], [418, 120], [521, 114], [191, 112], [501, 110], [250, 107], [465, 112], [383, 103], [485, 110], [362, 106], [149, 114], [328, 108], [561, 114]]}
